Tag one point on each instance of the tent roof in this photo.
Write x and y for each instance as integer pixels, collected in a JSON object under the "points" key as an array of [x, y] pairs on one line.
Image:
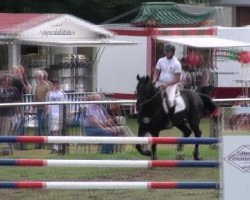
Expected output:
{"points": [[75, 42], [54, 30], [169, 14], [13, 24], [203, 41]]}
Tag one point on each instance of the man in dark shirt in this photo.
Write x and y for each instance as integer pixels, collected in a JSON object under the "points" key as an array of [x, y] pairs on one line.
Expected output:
{"points": [[8, 94]]}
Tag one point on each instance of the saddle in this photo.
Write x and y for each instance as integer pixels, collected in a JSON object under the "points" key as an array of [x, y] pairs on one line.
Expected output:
{"points": [[179, 104]]}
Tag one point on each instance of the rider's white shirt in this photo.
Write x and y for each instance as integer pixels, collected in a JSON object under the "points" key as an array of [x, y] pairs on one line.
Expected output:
{"points": [[168, 68]]}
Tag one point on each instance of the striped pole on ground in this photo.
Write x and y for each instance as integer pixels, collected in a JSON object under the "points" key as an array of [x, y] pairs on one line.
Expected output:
{"points": [[106, 163], [107, 185], [107, 140]]}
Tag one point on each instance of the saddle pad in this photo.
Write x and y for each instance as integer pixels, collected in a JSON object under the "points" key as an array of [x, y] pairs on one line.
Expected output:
{"points": [[179, 104]]}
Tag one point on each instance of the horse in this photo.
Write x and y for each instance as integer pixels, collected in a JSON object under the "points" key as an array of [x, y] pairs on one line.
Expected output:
{"points": [[152, 118]]}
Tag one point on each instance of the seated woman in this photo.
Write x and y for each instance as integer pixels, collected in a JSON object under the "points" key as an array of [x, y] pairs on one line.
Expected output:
{"points": [[96, 124]]}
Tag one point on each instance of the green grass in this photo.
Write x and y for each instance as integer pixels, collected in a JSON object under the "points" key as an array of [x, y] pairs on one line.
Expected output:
{"points": [[113, 174]]}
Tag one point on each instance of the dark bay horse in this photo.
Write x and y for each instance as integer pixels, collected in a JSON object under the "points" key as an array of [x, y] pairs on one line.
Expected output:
{"points": [[152, 118]]}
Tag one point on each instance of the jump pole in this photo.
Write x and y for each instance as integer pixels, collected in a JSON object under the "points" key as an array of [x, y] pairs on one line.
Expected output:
{"points": [[107, 140], [106, 163], [107, 185]]}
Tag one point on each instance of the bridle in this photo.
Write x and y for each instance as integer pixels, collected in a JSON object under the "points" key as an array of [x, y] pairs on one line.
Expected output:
{"points": [[146, 101]]}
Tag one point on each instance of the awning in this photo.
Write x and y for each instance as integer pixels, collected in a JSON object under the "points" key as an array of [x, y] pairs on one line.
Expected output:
{"points": [[75, 42], [200, 41]]}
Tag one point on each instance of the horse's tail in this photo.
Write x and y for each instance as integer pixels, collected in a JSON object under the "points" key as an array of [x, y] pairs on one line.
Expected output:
{"points": [[209, 105]]}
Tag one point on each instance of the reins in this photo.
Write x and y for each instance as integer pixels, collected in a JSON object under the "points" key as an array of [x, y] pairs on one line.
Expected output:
{"points": [[149, 100]]}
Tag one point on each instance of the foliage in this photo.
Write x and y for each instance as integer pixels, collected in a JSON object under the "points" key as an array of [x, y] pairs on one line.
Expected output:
{"points": [[95, 11]]}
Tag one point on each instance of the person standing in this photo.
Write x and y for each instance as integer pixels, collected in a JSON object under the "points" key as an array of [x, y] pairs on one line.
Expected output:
{"points": [[206, 85], [20, 82], [8, 94], [167, 75], [55, 112], [41, 90]]}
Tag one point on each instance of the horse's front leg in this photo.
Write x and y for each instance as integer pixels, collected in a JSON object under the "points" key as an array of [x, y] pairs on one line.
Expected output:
{"points": [[143, 151], [196, 153], [186, 132], [180, 155], [139, 147], [154, 152]]}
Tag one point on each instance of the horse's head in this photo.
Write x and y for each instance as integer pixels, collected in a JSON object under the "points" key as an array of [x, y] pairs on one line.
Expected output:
{"points": [[147, 94], [144, 88]]}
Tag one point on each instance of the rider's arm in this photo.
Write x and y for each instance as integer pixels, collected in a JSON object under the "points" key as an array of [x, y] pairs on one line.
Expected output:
{"points": [[156, 75]]}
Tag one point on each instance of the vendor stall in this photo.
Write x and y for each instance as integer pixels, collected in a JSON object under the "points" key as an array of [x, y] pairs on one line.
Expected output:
{"points": [[65, 46]]}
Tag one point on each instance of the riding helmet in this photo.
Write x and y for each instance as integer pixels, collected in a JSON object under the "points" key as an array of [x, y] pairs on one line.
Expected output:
{"points": [[169, 48]]}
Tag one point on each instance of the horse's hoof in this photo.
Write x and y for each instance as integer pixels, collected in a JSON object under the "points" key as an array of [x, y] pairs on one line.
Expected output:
{"points": [[179, 147], [180, 157], [197, 157], [148, 153], [5, 152]]}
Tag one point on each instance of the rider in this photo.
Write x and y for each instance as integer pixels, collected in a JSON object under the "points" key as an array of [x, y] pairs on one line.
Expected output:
{"points": [[167, 75]]}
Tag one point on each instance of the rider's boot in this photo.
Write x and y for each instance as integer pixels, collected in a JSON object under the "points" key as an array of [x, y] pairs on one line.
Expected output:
{"points": [[171, 111], [171, 115]]}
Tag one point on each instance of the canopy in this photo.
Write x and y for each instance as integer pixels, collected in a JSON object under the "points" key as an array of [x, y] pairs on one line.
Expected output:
{"points": [[202, 41], [75, 42]]}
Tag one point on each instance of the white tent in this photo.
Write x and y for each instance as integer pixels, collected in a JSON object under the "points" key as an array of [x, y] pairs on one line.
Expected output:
{"points": [[202, 41], [75, 42]]}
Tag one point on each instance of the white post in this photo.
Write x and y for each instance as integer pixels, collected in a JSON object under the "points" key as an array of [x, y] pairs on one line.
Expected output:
{"points": [[14, 55]]}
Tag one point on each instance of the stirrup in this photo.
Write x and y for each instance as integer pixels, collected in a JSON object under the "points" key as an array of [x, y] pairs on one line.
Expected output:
{"points": [[170, 125], [165, 106]]}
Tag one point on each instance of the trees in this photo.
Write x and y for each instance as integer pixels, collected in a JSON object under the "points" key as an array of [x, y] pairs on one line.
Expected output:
{"points": [[95, 11]]}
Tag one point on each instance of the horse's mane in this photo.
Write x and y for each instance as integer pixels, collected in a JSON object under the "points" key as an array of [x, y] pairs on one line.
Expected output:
{"points": [[146, 91]]}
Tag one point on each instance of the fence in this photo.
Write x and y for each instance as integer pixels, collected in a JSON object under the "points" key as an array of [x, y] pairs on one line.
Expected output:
{"points": [[107, 185]]}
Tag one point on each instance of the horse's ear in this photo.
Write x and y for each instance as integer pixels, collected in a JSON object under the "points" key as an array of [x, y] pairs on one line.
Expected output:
{"points": [[147, 78], [138, 77]]}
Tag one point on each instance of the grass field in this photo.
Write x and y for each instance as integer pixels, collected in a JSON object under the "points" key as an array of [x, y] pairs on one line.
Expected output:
{"points": [[114, 174]]}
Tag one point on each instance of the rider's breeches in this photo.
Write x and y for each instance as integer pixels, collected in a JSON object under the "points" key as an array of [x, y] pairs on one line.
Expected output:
{"points": [[171, 91]]}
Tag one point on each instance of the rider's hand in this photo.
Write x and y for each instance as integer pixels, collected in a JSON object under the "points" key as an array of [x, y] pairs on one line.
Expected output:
{"points": [[164, 86]]}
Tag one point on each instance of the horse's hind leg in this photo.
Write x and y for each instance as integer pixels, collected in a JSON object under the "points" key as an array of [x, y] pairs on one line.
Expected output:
{"points": [[186, 133]]}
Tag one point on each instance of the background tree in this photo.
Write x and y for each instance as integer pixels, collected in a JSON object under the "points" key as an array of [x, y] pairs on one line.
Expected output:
{"points": [[95, 11]]}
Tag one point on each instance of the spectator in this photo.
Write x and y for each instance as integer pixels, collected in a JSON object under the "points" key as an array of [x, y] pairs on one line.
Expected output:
{"points": [[186, 78], [20, 82], [82, 113], [46, 76], [55, 112], [119, 130], [206, 85], [96, 124], [41, 90], [117, 114], [8, 94]]}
